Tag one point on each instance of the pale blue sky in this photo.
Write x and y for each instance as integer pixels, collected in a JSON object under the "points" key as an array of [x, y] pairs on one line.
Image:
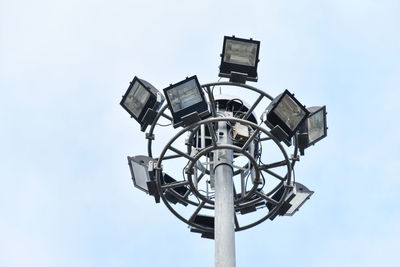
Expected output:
{"points": [[66, 197]]}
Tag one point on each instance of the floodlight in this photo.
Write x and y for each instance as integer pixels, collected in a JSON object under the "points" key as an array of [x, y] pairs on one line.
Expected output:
{"points": [[142, 101], [301, 195], [313, 129], [250, 208], [285, 113], [186, 100], [143, 175], [169, 193], [294, 199], [239, 59], [204, 221], [247, 208], [277, 197]]}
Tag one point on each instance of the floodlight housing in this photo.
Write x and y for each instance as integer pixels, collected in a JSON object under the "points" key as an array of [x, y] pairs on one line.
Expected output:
{"points": [[185, 99], [139, 166], [294, 199], [245, 209], [142, 101], [285, 112], [143, 175], [301, 195], [277, 197], [204, 221], [239, 59], [313, 129], [170, 193]]}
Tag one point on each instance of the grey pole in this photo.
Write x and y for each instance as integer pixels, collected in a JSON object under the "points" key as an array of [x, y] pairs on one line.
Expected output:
{"points": [[224, 203]]}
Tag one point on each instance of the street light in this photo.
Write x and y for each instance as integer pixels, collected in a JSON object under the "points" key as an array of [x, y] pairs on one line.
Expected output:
{"points": [[239, 59], [313, 129], [284, 115], [186, 101], [142, 101]]}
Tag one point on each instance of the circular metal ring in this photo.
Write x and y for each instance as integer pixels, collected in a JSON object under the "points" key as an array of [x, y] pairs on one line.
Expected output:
{"points": [[208, 149], [243, 201]]}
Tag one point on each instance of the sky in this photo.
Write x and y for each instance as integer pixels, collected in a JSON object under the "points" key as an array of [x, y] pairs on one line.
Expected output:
{"points": [[66, 195]]}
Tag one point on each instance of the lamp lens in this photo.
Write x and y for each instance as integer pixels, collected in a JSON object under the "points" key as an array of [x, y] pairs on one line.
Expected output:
{"points": [[137, 99], [242, 53], [297, 201], [184, 95], [140, 175], [316, 127], [289, 112]]}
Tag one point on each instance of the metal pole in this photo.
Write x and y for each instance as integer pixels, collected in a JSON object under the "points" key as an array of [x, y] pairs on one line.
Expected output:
{"points": [[251, 151], [224, 202]]}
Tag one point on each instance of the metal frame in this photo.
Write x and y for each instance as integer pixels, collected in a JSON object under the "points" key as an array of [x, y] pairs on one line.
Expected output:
{"points": [[250, 198], [241, 202]]}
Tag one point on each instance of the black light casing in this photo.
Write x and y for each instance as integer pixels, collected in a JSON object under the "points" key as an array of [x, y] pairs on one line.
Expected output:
{"points": [[204, 221], [304, 138], [227, 68], [277, 196], [200, 107], [271, 119], [169, 193], [151, 106]]}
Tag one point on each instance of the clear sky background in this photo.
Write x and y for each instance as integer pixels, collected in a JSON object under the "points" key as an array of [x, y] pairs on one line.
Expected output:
{"points": [[66, 196]]}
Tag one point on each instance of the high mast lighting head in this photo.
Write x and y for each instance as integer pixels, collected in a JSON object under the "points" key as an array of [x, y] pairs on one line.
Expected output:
{"points": [[239, 59], [231, 138], [142, 101], [184, 99], [284, 116], [313, 129]]}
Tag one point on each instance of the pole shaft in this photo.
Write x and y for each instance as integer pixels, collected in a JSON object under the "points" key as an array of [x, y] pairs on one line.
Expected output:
{"points": [[224, 202]]}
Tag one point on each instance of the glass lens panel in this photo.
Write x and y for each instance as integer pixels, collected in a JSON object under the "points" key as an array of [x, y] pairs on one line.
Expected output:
{"points": [[289, 112], [140, 175], [137, 99], [297, 201], [184, 95], [316, 127], [242, 53]]}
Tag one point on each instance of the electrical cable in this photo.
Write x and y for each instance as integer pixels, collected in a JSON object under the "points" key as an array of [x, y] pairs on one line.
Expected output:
{"points": [[164, 125]]}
